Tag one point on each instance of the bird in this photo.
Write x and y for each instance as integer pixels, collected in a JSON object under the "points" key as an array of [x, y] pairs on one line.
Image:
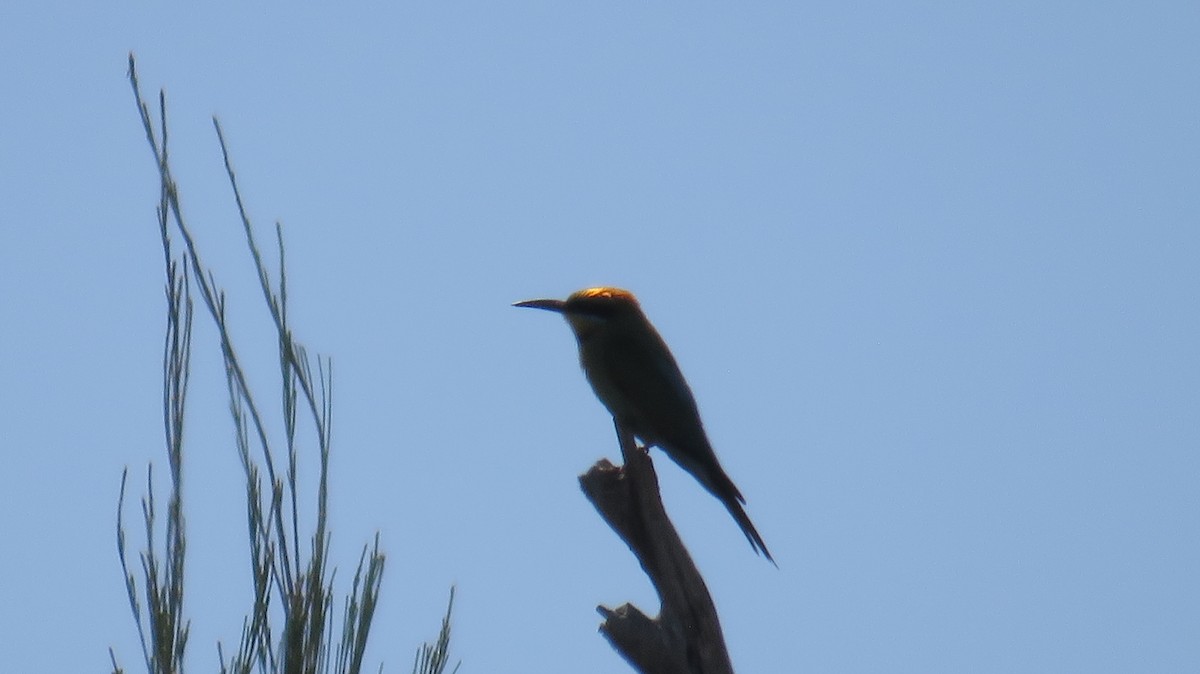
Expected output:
{"points": [[634, 375]]}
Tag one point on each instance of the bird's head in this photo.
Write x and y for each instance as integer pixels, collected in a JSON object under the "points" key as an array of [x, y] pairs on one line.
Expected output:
{"points": [[592, 309]]}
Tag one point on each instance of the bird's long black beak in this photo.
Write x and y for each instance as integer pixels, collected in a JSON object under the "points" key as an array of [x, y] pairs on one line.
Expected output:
{"points": [[557, 306]]}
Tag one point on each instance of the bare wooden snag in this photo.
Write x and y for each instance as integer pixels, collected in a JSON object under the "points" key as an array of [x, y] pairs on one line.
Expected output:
{"points": [[686, 636]]}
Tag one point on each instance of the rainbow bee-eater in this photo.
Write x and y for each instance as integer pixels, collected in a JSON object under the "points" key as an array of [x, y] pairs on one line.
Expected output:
{"points": [[634, 374]]}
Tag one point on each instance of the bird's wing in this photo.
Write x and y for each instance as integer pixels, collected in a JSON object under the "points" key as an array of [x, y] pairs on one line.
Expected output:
{"points": [[656, 399]]}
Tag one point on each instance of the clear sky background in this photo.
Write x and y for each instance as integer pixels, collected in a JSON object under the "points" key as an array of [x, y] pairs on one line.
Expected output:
{"points": [[930, 268]]}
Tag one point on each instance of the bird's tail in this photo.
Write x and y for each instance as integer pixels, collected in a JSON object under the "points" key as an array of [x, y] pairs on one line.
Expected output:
{"points": [[717, 482], [739, 515]]}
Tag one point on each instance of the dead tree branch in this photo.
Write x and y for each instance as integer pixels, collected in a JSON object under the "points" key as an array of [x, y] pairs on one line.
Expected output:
{"points": [[686, 636]]}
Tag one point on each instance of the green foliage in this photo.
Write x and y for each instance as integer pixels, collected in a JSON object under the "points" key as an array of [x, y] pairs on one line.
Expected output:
{"points": [[290, 627], [432, 658]]}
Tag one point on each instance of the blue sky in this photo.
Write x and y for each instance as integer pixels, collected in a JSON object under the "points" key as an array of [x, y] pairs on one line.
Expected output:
{"points": [[932, 270]]}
